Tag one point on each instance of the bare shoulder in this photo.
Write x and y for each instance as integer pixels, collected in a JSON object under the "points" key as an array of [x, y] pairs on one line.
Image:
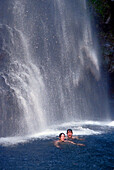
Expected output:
{"points": [[76, 137], [56, 143]]}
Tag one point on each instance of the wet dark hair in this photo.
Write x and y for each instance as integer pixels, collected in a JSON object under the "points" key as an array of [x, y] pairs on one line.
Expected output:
{"points": [[61, 134], [69, 130]]}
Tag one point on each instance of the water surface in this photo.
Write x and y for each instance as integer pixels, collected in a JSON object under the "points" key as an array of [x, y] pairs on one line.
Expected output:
{"points": [[39, 152]]}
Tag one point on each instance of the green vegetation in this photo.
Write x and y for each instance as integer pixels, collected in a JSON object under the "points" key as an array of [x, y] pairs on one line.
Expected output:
{"points": [[101, 7]]}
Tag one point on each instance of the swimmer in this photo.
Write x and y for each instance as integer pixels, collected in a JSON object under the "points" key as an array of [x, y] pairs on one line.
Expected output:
{"points": [[62, 139], [70, 137]]}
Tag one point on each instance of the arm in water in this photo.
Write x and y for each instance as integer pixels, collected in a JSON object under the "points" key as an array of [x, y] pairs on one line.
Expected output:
{"points": [[62, 139], [79, 144]]}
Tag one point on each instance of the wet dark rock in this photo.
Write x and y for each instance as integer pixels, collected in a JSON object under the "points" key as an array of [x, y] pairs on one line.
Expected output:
{"points": [[104, 25]]}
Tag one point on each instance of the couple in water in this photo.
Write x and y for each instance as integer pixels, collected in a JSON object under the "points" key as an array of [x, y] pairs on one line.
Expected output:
{"points": [[67, 139]]}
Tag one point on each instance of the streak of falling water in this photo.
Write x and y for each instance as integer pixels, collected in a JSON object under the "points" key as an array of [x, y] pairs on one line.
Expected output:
{"points": [[50, 70]]}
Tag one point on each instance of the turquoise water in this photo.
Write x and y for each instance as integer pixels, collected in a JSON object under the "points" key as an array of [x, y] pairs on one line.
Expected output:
{"points": [[39, 152]]}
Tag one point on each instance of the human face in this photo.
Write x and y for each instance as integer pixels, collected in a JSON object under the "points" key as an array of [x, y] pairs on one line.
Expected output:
{"points": [[62, 138], [69, 134]]}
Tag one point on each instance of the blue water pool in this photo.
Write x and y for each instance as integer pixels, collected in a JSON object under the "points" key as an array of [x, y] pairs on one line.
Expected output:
{"points": [[39, 152]]}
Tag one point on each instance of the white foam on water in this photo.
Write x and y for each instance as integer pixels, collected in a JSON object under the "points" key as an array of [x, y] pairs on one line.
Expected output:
{"points": [[111, 123], [81, 123], [54, 131], [9, 141]]}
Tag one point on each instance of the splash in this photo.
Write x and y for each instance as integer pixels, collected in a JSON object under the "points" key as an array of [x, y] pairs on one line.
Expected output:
{"points": [[81, 129]]}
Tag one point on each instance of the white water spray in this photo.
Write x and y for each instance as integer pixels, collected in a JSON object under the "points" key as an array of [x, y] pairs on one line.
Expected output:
{"points": [[52, 74]]}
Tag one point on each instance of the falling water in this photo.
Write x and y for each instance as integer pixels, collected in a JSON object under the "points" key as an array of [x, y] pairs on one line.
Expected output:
{"points": [[49, 66]]}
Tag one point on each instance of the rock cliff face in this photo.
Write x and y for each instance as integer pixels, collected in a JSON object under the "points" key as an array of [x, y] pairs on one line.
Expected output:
{"points": [[104, 23], [104, 17]]}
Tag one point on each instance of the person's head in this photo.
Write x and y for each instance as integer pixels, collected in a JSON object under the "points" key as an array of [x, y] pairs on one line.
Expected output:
{"points": [[69, 133], [62, 136]]}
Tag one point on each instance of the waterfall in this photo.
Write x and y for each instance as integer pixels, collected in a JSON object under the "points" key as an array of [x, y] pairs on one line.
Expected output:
{"points": [[49, 66]]}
